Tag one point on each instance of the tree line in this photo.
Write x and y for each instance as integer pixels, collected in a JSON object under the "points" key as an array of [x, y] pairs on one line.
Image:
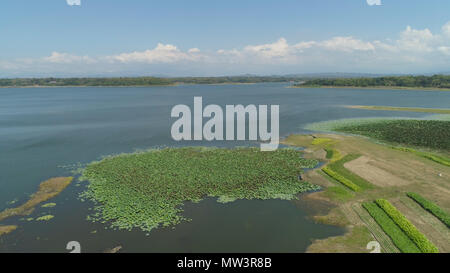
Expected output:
{"points": [[436, 81], [136, 81]]}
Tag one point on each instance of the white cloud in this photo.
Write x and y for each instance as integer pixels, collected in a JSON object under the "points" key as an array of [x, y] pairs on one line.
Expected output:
{"points": [[304, 45], [446, 29], [413, 49], [163, 53], [347, 44], [445, 50], [73, 2], [65, 58], [416, 40], [194, 50], [279, 48], [374, 2]]}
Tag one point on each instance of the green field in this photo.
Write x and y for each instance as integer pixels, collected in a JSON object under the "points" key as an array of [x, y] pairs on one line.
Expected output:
{"points": [[433, 157], [413, 233], [146, 190], [337, 171], [398, 237], [431, 207]]}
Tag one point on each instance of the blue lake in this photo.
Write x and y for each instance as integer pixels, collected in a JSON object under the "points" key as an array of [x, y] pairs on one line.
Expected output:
{"points": [[45, 131]]}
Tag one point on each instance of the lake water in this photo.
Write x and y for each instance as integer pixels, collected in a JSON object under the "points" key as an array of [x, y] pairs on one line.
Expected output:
{"points": [[44, 129]]}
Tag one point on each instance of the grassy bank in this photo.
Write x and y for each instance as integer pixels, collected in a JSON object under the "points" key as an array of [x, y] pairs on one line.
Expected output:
{"points": [[379, 87], [388, 174], [355, 182], [405, 109], [146, 190]]}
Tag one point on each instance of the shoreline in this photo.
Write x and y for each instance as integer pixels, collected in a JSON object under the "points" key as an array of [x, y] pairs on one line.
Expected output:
{"points": [[405, 109], [342, 207], [134, 86], [373, 87]]}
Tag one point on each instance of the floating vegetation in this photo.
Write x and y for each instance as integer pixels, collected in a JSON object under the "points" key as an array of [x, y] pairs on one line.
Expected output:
{"points": [[7, 229], [12, 202], [413, 233], [434, 209], [433, 134], [331, 125], [147, 189], [407, 109], [49, 205], [45, 218], [47, 190]]}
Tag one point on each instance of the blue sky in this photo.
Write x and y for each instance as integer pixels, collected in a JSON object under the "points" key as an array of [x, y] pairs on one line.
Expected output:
{"points": [[199, 37]]}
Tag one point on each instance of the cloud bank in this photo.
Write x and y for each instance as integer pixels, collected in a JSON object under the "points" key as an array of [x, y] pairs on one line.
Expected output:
{"points": [[73, 2], [414, 50], [374, 2]]}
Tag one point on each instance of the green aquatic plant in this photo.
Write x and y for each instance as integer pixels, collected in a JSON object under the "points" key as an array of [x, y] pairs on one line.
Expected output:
{"points": [[49, 205], [434, 134], [45, 218], [147, 189]]}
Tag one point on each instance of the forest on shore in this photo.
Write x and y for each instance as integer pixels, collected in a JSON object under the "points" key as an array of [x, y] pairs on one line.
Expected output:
{"points": [[138, 81], [435, 81]]}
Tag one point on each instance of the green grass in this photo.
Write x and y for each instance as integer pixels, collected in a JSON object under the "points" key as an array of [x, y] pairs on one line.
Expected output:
{"points": [[146, 190], [320, 140], [433, 157], [398, 237], [431, 207], [338, 193], [406, 109], [45, 218], [338, 177], [434, 134], [413, 233], [330, 153], [338, 167]]}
